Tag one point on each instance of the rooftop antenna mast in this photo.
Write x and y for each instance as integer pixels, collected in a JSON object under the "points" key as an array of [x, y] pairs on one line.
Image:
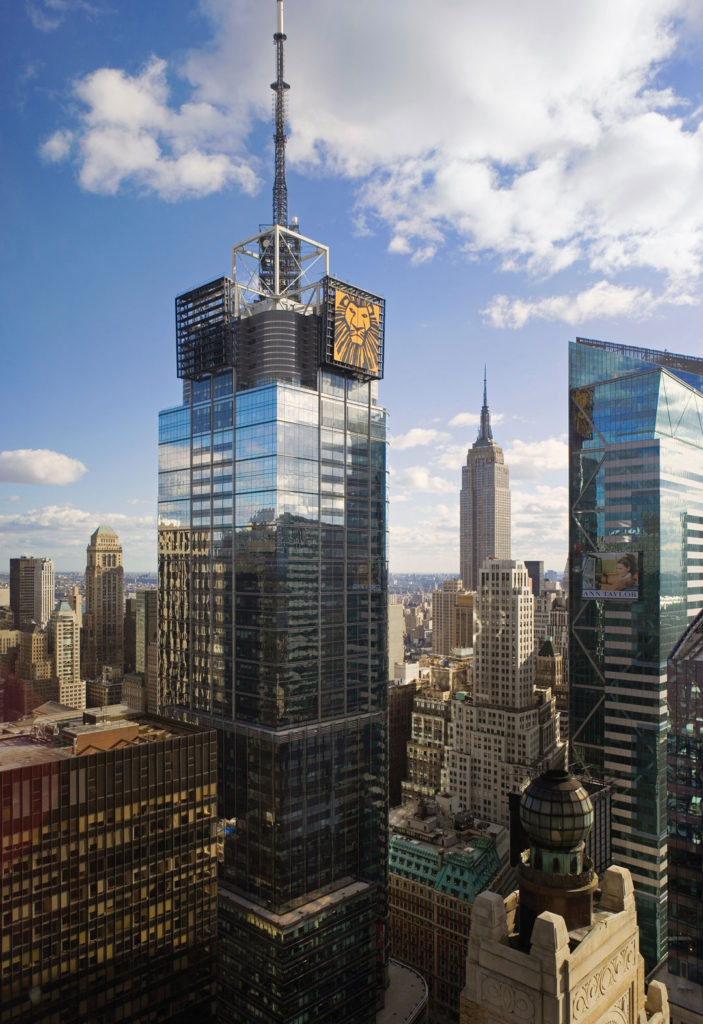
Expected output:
{"points": [[280, 87]]}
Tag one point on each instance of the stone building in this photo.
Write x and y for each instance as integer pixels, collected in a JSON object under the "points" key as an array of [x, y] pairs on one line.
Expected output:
{"points": [[436, 873], [507, 732], [484, 501], [103, 623], [561, 949]]}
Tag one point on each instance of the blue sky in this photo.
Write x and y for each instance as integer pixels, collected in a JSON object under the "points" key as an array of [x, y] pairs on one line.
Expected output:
{"points": [[507, 175]]}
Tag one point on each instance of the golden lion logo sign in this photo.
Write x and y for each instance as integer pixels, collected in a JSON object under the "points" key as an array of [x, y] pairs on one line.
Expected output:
{"points": [[355, 330]]}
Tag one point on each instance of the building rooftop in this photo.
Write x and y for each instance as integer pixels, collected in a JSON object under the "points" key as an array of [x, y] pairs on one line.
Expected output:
{"points": [[405, 997], [44, 739], [463, 871]]}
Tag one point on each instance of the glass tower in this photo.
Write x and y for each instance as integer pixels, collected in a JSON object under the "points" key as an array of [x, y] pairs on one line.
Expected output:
{"points": [[636, 580], [685, 762], [273, 613]]}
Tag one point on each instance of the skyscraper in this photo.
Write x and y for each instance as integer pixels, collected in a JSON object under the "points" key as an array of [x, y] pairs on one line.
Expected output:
{"points": [[103, 623], [65, 649], [31, 591], [273, 610], [484, 503], [452, 618], [685, 758], [510, 731], [636, 509]]}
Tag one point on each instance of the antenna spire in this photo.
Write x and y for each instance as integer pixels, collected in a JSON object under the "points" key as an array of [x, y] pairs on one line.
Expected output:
{"points": [[280, 87], [485, 434]]}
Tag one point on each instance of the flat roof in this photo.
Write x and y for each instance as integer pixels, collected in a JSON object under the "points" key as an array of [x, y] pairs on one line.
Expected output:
{"points": [[42, 741], [405, 996]]}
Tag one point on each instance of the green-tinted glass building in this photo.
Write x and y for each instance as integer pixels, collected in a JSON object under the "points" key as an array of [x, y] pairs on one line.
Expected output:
{"points": [[636, 579]]}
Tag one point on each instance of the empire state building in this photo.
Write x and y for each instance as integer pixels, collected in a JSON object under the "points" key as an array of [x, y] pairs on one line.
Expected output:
{"points": [[484, 524]]}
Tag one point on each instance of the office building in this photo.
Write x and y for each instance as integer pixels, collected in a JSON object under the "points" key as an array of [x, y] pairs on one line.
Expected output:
{"points": [[452, 618], [103, 622], [636, 509], [396, 633], [560, 949], [273, 613], [31, 591], [484, 503], [400, 709], [436, 873], [130, 634], [108, 887], [65, 649], [508, 731], [683, 971], [426, 746], [535, 570]]}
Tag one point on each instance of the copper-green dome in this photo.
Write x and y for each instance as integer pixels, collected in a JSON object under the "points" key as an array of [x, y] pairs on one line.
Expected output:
{"points": [[556, 811]]}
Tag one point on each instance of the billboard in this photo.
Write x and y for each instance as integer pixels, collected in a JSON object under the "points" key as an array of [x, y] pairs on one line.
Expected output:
{"points": [[611, 574], [353, 332]]}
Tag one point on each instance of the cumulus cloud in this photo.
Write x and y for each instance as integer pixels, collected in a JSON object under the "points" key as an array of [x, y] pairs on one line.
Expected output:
{"points": [[63, 531], [420, 480], [602, 300], [416, 437], [429, 543], [542, 164], [540, 524], [472, 419], [530, 459], [129, 134], [39, 466]]}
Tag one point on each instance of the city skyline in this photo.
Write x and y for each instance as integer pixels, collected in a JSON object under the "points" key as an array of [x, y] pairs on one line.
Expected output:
{"points": [[559, 200]]}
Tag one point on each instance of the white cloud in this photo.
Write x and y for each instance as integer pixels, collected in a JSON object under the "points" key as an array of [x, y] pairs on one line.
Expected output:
{"points": [[57, 147], [128, 134], [559, 147], [530, 459], [429, 543], [540, 524], [39, 466], [472, 419], [602, 300], [47, 15], [416, 437], [63, 532], [419, 479], [451, 456]]}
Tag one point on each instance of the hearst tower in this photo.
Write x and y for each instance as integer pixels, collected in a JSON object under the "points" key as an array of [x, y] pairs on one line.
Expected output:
{"points": [[272, 619]]}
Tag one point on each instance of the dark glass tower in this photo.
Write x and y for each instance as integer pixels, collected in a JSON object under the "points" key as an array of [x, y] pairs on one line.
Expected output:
{"points": [[272, 562], [636, 579], [685, 763]]}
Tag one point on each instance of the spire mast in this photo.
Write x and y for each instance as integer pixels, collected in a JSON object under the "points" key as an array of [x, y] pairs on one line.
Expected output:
{"points": [[280, 87], [485, 434]]}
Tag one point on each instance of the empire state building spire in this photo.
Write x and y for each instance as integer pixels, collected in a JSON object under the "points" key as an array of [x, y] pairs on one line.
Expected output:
{"points": [[485, 434]]}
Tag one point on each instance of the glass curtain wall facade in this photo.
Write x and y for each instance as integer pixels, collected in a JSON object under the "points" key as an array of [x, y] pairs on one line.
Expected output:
{"points": [[273, 630], [685, 784], [636, 579]]}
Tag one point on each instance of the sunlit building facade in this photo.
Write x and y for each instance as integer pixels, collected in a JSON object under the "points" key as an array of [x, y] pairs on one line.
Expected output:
{"points": [[636, 580], [109, 874], [484, 503]]}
